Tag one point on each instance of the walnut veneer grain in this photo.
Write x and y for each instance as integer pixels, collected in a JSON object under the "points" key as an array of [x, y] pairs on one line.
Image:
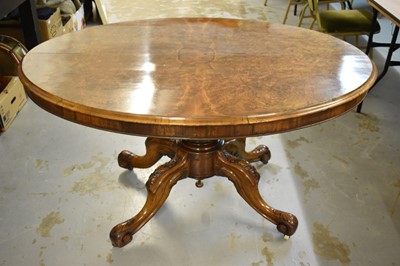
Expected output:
{"points": [[197, 78], [206, 84]]}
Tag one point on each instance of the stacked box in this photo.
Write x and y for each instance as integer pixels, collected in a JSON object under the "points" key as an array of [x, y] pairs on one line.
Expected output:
{"points": [[12, 99]]}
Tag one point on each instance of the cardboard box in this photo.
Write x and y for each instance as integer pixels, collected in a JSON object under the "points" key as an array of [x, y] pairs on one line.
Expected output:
{"points": [[79, 16], [75, 21], [12, 99], [51, 27], [68, 24]]}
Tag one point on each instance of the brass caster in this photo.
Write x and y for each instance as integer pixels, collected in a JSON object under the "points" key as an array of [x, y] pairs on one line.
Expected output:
{"points": [[199, 183], [286, 237]]}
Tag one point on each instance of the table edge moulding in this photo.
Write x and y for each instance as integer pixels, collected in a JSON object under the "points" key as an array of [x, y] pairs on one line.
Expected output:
{"points": [[213, 82]]}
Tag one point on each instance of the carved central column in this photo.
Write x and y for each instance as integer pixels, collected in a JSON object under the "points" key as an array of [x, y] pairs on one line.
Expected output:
{"points": [[201, 157], [198, 159]]}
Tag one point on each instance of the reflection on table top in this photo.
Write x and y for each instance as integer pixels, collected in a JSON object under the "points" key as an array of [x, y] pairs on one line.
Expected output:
{"points": [[197, 78]]}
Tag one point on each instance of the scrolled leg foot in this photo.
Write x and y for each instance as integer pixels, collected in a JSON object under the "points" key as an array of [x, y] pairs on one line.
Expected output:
{"points": [[245, 178], [155, 149], [237, 147], [120, 236], [266, 154], [125, 158], [286, 223], [158, 187]]}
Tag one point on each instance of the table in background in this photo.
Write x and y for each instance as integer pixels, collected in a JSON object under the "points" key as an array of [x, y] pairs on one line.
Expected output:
{"points": [[197, 87], [391, 10]]}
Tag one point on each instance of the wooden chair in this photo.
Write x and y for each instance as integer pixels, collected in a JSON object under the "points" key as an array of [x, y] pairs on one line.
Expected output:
{"points": [[295, 3], [305, 8], [349, 22]]}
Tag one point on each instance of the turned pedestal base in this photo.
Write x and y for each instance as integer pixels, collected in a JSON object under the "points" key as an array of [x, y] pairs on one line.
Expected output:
{"points": [[198, 159]]}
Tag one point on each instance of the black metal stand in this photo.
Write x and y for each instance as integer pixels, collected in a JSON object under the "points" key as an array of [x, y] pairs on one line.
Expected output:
{"points": [[393, 46]]}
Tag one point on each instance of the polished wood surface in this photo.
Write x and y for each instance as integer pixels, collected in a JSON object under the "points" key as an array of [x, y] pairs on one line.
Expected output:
{"points": [[197, 78], [196, 88], [198, 160], [389, 8]]}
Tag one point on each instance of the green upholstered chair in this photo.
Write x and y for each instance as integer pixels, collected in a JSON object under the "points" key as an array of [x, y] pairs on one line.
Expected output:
{"points": [[354, 22], [305, 7]]}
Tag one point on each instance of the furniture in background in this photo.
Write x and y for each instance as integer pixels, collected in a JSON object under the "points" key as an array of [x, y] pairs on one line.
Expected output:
{"points": [[305, 8], [391, 10], [197, 87], [11, 54], [102, 11], [295, 3], [29, 21], [88, 10], [349, 22]]}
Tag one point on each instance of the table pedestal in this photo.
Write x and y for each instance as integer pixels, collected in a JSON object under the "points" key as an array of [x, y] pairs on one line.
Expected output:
{"points": [[198, 159]]}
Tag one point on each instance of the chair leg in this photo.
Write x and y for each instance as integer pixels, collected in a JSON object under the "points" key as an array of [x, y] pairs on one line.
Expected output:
{"points": [[266, 2], [302, 13], [369, 48], [312, 24], [287, 11], [359, 107], [349, 4], [371, 33], [388, 61]]}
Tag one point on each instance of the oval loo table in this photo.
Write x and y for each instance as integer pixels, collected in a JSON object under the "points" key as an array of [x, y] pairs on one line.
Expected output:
{"points": [[197, 88]]}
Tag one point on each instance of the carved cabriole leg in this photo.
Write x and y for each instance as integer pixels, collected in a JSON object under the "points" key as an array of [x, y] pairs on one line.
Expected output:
{"points": [[237, 147], [245, 178], [158, 187], [199, 160], [155, 149]]}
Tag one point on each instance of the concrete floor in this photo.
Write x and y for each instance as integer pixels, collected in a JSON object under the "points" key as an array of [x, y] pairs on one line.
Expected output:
{"points": [[62, 190]]}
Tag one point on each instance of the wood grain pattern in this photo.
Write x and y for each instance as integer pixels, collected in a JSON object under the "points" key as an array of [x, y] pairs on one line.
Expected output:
{"points": [[198, 159], [197, 78], [206, 83]]}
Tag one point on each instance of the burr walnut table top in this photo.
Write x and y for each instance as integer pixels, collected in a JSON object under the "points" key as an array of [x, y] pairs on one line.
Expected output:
{"points": [[197, 78]]}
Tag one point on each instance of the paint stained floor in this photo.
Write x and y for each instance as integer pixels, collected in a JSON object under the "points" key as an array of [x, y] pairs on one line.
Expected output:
{"points": [[62, 190]]}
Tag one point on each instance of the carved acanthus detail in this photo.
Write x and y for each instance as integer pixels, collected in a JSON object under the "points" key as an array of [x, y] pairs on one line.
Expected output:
{"points": [[199, 160]]}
